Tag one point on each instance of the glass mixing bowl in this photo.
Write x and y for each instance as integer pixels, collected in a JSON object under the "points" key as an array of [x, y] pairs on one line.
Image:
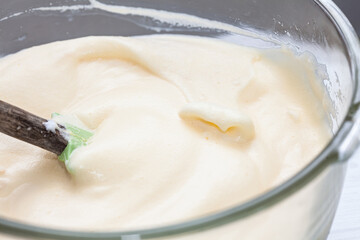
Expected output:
{"points": [[301, 208]]}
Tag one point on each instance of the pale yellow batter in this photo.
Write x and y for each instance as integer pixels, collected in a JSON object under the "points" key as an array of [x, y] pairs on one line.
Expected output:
{"points": [[183, 127]]}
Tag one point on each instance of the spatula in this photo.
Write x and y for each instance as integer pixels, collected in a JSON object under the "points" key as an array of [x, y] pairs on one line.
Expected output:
{"points": [[59, 139]]}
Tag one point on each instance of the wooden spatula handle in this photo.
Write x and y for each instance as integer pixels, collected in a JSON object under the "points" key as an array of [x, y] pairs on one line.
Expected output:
{"points": [[27, 127]]}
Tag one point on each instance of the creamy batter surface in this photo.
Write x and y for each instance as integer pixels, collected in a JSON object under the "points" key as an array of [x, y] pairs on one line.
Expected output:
{"points": [[183, 127]]}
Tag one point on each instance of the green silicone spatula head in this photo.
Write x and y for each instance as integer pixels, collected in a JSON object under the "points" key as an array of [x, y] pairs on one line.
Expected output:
{"points": [[76, 136]]}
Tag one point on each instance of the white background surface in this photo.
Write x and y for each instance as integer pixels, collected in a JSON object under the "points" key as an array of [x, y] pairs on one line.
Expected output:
{"points": [[346, 225]]}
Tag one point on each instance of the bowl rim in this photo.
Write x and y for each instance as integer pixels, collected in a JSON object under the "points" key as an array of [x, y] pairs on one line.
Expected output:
{"points": [[327, 157]]}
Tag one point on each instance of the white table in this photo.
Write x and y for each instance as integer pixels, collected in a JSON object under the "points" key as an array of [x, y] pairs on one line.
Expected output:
{"points": [[346, 225]]}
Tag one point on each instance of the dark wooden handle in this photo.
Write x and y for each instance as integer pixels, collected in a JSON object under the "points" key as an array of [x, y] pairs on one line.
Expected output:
{"points": [[27, 127]]}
